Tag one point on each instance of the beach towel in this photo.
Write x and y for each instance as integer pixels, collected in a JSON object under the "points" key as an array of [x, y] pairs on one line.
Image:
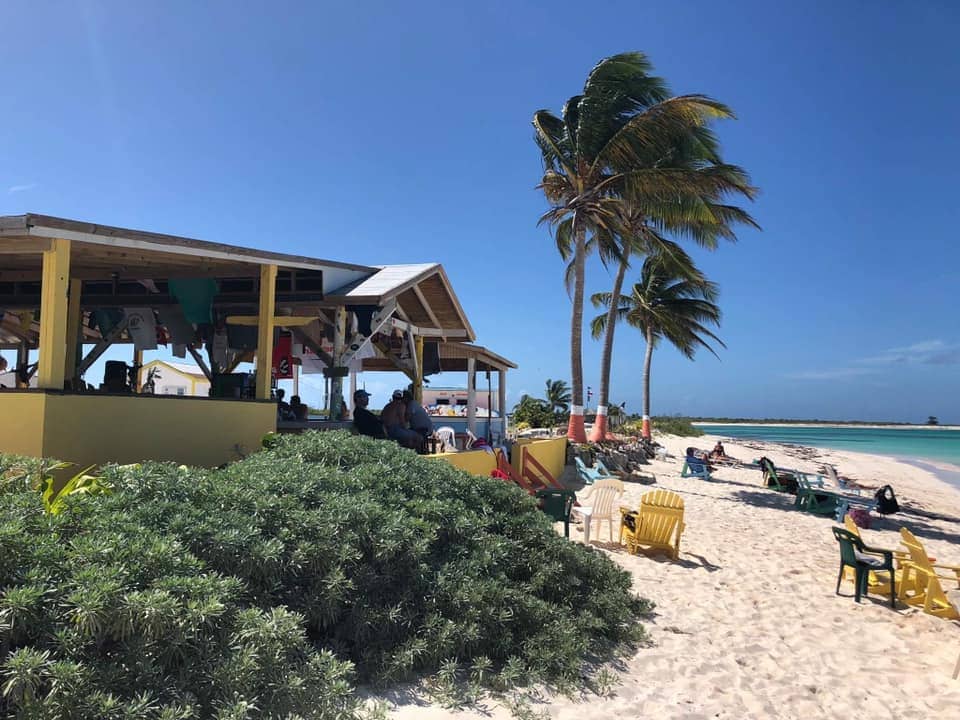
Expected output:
{"points": [[142, 327], [172, 318], [195, 296]]}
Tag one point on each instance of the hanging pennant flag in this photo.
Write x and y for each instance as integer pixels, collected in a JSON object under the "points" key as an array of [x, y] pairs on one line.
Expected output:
{"points": [[283, 357]]}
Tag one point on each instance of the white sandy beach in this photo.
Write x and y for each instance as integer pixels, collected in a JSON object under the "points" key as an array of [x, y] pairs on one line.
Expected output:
{"points": [[747, 623]]}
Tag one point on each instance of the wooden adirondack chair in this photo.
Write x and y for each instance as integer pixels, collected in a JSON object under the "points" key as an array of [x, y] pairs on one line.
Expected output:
{"points": [[780, 481], [813, 500], [921, 585], [591, 474], [600, 499], [658, 524], [697, 468]]}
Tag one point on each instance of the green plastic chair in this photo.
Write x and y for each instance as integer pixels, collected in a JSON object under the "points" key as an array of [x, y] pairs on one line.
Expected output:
{"points": [[812, 500], [558, 504], [863, 560], [781, 482]]}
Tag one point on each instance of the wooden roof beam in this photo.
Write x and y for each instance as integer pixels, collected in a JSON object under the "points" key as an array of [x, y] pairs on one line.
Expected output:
{"points": [[426, 306]]}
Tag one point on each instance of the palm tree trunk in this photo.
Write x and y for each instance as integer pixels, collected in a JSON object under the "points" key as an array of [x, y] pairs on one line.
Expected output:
{"points": [[647, 358], [599, 431], [575, 428]]}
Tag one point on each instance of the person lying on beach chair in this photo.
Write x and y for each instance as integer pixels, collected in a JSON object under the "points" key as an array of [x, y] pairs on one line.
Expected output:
{"points": [[719, 455]]}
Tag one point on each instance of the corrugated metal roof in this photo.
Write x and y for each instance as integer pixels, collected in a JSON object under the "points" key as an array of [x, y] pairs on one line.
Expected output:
{"points": [[388, 280]]}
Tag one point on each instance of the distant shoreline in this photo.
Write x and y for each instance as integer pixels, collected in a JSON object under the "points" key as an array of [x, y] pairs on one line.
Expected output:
{"points": [[869, 426]]}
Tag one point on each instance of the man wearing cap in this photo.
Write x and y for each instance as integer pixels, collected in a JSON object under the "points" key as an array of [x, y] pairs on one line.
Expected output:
{"points": [[365, 422]]}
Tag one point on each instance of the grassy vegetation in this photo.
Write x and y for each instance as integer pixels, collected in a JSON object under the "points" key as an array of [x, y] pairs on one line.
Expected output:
{"points": [[670, 425], [269, 588]]}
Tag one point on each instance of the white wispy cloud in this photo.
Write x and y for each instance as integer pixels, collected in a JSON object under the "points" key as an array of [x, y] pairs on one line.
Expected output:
{"points": [[22, 188], [832, 373], [927, 352]]}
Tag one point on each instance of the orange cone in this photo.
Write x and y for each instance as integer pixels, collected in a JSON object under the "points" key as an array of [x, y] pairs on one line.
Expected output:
{"points": [[575, 428], [599, 431]]}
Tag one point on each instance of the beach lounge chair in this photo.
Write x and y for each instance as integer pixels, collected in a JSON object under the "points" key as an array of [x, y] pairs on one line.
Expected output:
{"points": [[589, 475], [601, 497], [820, 501], [834, 479], [863, 560], [781, 481], [811, 501], [921, 585], [695, 467], [658, 524]]}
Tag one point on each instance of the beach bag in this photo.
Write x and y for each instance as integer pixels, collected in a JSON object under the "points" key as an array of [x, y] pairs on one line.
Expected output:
{"points": [[886, 501], [860, 517]]}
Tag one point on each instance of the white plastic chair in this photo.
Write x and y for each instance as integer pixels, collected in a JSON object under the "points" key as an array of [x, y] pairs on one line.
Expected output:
{"points": [[448, 436], [603, 493]]}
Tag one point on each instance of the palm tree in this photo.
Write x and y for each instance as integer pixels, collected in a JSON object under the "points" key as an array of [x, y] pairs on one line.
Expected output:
{"points": [[558, 396], [672, 302], [618, 140]]}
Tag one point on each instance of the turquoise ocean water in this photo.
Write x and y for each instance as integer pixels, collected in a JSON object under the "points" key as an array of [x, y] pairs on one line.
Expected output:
{"points": [[939, 446]]}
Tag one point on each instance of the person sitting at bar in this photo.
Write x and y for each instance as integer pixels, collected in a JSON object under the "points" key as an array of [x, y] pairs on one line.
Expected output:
{"points": [[283, 408], [298, 409], [364, 421], [394, 419], [420, 421]]}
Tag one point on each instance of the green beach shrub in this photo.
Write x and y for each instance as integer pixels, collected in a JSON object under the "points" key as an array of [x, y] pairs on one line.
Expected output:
{"points": [[269, 588], [670, 425]]}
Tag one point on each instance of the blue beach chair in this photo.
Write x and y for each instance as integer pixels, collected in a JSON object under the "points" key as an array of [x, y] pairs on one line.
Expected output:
{"points": [[695, 467], [590, 475]]}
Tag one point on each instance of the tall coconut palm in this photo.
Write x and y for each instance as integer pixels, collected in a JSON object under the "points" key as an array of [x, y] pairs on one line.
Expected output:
{"points": [[672, 302], [617, 141], [558, 396], [640, 233]]}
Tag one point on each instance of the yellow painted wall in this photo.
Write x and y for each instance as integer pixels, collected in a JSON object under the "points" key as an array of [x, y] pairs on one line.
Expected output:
{"points": [[87, 429], [552, 454], [21, 420], [476, 462]]}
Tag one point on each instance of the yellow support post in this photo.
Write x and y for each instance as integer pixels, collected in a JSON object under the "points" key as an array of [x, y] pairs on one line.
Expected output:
{"points": [[53, 315], [268, 284], [418, 382], [138, 364], [73, 332]]}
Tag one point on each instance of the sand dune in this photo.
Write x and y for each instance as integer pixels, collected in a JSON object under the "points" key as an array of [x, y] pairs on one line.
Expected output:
{"points": [[747, 623]]}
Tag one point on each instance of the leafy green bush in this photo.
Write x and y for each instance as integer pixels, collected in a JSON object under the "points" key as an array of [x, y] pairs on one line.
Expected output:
{"points": [[675, 426], [669, 425], [266, 589]]}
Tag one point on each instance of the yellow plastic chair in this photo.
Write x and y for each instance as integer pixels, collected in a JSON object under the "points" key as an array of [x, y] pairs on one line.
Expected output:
{"points": [[921, 585], [657, 525], [601, 495]]}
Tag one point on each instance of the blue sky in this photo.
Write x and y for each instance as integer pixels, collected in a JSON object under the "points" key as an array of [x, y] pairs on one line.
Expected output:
{"points": [[381, 133]]}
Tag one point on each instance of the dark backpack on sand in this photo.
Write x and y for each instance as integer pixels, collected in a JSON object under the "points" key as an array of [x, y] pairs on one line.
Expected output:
{"points": [[886, 501]]}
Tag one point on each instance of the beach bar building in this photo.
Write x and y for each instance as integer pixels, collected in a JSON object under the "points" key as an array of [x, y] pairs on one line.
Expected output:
{"points": [[69, 290]]}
